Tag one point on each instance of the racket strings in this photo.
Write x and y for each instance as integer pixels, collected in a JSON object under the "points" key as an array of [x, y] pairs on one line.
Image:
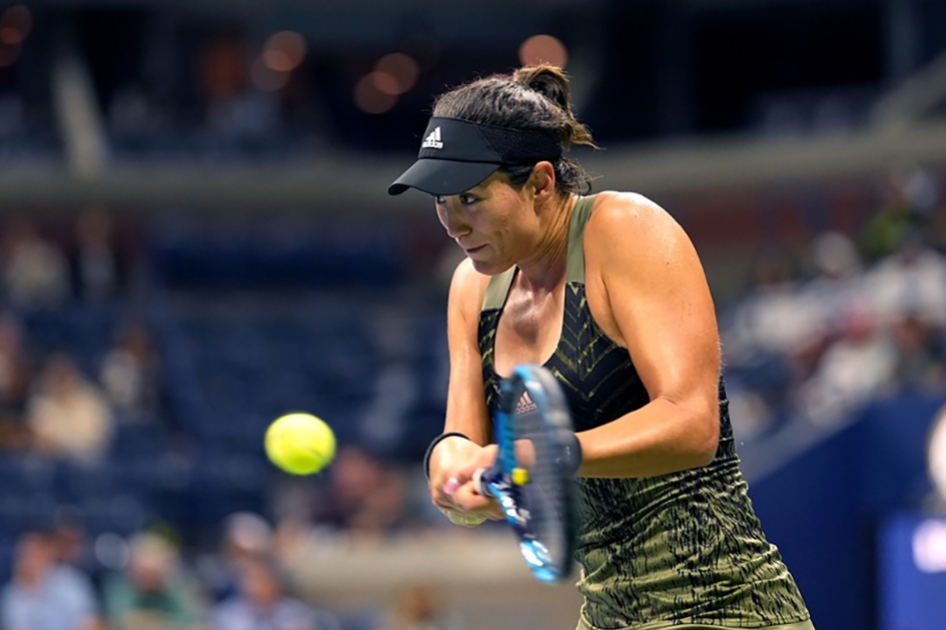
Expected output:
{"points": [[541, 497]]}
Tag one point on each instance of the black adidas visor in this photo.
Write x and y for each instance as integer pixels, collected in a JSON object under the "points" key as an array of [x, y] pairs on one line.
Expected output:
{"points": [[456, 155]]}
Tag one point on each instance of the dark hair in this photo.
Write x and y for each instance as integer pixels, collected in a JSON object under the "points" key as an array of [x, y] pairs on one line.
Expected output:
{"points": [[533, 98]]}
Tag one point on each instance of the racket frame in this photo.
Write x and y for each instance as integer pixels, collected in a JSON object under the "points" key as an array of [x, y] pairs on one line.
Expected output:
{"points": [[504, 479]]}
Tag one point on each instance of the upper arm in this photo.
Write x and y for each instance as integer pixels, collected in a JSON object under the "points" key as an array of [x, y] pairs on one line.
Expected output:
{"points": [[466, 399], [659, 300]]}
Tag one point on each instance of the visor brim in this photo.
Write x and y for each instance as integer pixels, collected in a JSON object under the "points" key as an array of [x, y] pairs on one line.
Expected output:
{"points": [[442, 177]]}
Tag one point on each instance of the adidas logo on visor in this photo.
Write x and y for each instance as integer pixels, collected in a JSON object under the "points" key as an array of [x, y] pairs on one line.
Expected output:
{"points": [[433, 141]]}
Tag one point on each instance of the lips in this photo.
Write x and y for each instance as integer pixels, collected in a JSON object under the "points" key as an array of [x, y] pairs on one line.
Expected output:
{"points": [[473, 250]]}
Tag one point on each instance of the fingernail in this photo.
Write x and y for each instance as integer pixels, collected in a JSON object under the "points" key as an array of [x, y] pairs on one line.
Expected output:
{"points": [[451, 486]]}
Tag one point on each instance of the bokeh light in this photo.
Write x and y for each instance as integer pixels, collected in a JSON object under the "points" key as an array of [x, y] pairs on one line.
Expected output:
{"points": [[543, 49], [370, 99], [386, 83], [15, 25], [402, 69], [284, 51], [265, 78]]}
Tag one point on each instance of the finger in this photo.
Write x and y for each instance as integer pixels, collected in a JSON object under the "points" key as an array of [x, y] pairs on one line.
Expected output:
{"points": [[439, 495], [485, 458], [467, 473], [469, 500], [452, 485], [438, 489]]}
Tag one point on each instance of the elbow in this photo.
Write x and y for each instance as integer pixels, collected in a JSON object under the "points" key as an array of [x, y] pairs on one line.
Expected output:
{"points": [[707, 453], [704, 440]]}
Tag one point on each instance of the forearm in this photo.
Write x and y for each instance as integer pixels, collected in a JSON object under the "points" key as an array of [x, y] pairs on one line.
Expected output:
{"points": [[660, 438], [460, 432], [474, 431]]}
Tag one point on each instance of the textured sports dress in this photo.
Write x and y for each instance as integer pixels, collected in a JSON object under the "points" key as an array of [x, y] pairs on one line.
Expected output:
{"points": [[682, 548]]}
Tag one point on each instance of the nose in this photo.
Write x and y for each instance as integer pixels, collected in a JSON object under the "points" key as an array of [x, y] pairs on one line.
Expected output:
{"points": [[453, 221]]}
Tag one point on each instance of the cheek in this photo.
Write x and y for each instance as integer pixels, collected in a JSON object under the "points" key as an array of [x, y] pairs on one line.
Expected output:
{"points": [[441, 216], [504, 226]]}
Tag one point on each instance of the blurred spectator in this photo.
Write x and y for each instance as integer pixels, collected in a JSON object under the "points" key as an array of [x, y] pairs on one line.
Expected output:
{"points": [[910, 282], [419, 607], [72, 546], [911, 195], [246, 537], [35, 271], [828, 296], [154, 593], [261, 602], [853, 369], [770, 317], [365, 496], [44, 595], [837, 279], [15, 376], [936, 232], [96, 265], [759, 336], [69, 539], [920, 355], [236, 110], [251, 117], [222, 68], [131, 375], [68, 416]]}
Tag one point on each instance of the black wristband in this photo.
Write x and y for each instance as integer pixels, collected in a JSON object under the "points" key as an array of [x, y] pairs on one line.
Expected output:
{"points": [[436, 441], [573, 455]]}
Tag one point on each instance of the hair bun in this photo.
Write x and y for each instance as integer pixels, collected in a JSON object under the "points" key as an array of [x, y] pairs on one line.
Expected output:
{"points": [[548, 80]]}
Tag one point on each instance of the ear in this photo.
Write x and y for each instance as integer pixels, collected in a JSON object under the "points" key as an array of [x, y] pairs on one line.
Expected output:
{"points": [[542, 181]]}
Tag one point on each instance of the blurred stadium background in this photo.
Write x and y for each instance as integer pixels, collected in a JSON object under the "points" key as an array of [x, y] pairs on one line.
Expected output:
{"points": [[195, 239]]}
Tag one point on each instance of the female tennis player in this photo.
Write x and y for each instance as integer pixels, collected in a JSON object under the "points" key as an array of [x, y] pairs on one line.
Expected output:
{"points": [[607, 292]]}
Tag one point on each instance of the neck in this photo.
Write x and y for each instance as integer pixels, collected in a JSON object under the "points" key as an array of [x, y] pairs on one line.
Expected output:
{"points": [[544, 269]]}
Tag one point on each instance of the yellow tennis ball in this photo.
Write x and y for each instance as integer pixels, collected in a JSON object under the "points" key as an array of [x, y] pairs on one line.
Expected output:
{"points": [[300, 443]]}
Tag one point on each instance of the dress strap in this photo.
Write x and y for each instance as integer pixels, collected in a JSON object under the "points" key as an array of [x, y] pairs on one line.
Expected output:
{"points": [[498, 289], [576, 230]]}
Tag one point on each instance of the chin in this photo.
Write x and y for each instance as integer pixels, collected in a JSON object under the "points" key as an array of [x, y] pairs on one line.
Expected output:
{"points": [[488, 268]]}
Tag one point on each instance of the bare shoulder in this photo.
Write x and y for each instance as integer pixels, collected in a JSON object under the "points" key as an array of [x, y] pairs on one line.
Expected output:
{"points": [[623, 218], [614, 210], [467, 289]]}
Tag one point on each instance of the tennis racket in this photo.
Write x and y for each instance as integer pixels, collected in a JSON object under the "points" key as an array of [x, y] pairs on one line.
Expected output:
{"points": [[533, 476]]}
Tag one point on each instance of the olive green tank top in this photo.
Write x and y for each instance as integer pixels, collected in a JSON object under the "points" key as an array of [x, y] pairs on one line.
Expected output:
{"points": [[680, 548]]}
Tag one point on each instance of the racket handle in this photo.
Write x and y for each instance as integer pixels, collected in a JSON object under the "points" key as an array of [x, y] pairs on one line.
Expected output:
{"points": [[480, 483]]}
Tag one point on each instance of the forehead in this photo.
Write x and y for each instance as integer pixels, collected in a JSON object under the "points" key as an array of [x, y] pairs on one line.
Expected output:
{"points": [[495, 180]]}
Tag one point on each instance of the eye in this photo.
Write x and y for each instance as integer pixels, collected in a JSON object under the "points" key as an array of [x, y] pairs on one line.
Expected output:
{"points": [[440, 200], [468, 200]]}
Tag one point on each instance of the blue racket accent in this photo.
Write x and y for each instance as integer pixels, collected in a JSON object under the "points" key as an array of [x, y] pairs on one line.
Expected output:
{"points": [[532, 477]]}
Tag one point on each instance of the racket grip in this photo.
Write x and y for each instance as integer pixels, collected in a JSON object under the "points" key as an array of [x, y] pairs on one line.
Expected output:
{"points": [[480, 483]]}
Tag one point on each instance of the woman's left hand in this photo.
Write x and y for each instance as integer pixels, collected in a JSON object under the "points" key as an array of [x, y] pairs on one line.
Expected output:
{"points": [[462, 488]]}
